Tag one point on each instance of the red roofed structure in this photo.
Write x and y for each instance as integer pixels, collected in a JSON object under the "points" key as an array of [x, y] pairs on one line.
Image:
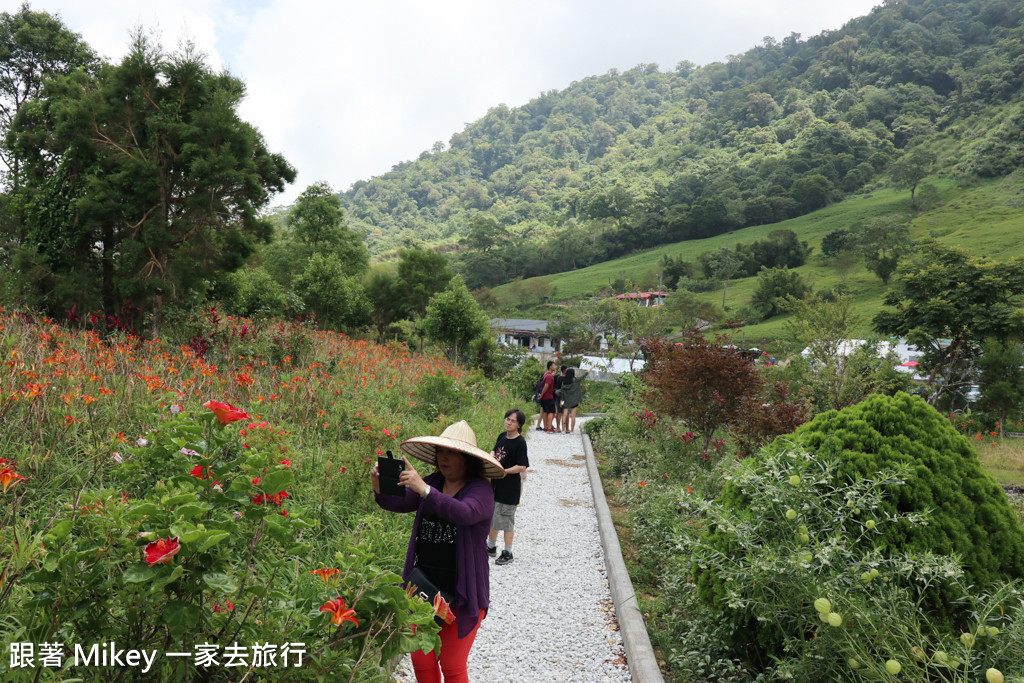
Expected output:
{"points": [[645, 298]]}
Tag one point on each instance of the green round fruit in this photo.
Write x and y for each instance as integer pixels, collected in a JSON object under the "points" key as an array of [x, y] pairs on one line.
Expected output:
{"points": [[854, 664], [835, 619], [870, 524], [893, 667], [823, 617], [967, 639], [823, 605], [795, 479], [803, 538], [994, 676], [992, 631], [866, 577], [806, 556], [940, 657], [791, 514], [874, 573]]}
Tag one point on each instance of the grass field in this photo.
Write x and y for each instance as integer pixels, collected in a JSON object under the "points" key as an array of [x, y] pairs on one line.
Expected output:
{"points": [[1003, 458], [987, 218]]}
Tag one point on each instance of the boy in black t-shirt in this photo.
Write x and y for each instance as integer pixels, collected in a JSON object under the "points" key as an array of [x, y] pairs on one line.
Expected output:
{"points": [[510, 451]]}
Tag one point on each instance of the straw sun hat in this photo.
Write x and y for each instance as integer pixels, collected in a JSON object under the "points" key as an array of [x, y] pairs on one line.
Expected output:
{"points": [[459, 437]]}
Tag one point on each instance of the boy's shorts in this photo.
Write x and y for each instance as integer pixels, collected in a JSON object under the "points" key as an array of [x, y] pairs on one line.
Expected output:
{"points": [[504, 517]]}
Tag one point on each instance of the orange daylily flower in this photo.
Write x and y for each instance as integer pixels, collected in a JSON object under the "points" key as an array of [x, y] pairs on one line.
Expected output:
{"points": [[9, 478], [326, 575], [443, 609], [339, 613]]}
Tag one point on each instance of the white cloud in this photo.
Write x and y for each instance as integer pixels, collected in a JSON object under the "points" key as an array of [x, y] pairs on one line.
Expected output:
{"points": [[346, 89]]}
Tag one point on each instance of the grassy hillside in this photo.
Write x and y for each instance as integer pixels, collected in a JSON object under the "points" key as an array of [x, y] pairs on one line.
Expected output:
{"points": [[986, 218], [645, 158]]}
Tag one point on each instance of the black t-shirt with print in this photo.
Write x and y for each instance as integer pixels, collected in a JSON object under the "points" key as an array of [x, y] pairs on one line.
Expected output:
{"points": [[509, 452], [435, 550]]}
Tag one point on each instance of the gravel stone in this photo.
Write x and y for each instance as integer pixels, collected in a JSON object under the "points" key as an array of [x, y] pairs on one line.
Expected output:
{"points": [[551, 617]]}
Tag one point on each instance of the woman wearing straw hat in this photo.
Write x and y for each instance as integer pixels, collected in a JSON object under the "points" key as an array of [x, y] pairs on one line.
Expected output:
{"points": [[453, 507]]}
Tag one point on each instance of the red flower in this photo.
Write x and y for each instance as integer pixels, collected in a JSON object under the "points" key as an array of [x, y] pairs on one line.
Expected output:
{"points": [[200, 472], [286, 462], [642, 482], [228, 605], [162, 550], [226, 412], [339, 613]]}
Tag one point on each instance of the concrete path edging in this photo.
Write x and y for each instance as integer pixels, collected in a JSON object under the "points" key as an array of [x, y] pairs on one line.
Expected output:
{"points": [[640, 657]]}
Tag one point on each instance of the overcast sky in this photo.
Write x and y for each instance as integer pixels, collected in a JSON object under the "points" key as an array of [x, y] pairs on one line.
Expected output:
{"points": [[345, 90]]}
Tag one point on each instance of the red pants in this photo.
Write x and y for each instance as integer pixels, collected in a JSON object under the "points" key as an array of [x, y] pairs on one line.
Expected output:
{"points": [[454, 653]]}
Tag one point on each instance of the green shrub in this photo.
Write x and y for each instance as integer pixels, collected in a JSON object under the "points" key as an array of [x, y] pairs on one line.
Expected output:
{"points": [[806, 534], [522, 379], [969, 513]]}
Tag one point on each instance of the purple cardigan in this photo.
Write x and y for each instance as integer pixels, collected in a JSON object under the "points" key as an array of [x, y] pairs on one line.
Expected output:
{"points": [[471, 511]]}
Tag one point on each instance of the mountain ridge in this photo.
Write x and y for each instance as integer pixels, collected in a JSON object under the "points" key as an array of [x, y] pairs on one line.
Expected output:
{"points": [[629, 160]]}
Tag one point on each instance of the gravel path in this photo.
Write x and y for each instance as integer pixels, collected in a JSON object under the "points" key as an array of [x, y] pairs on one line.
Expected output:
{"points": [[551, 616]]}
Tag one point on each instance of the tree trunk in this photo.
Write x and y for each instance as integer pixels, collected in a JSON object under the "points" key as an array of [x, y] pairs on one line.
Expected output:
{"points": [[107, 269]]}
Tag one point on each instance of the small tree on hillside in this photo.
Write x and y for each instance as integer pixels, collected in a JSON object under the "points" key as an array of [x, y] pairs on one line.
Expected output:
{"points": [[774, 285], [838, 376], [454, 318], [337, 299], [701, 382], [911, 168], [883, 241]]}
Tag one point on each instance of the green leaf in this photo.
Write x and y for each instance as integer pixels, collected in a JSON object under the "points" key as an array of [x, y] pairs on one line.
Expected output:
{"points": [[181, 529], [173, 575], [299, 549], [277, 481], [140, 572], [137, 512], [212, 539], [179, 499], [181, 617], [192, 510], [278, 532], [61, 529], [221, 583], [258, 590]]}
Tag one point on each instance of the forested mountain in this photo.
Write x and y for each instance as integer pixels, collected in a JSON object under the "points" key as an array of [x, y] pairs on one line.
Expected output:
{"points": [[629, 160]]}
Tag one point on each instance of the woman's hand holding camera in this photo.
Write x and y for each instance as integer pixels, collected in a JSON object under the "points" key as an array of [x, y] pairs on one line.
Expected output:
{"points": [[409, 477]]}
